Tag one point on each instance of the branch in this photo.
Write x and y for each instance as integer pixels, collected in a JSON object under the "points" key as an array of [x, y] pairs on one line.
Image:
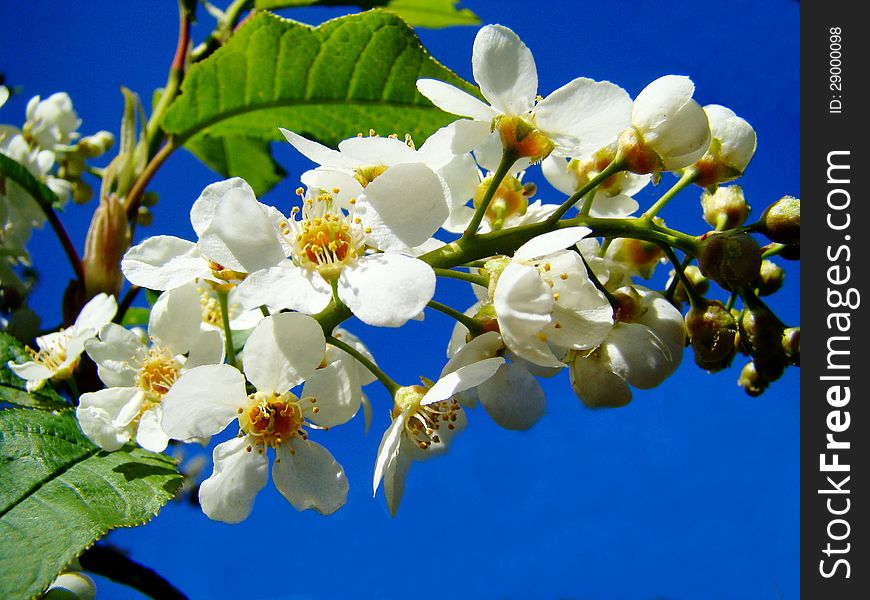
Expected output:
{"points": [[110, 562]]}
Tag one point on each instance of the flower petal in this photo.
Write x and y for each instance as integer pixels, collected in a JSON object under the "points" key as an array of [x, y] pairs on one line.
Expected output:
{"points": [[97, 312], [164, 262], [513, 397], [387, 449], [117, 354], [454, 101], [175, 318], [150, 434], [319, 153], [551, 242], [104, 416], [283, 351], [284, 286], [505, 70], [331, 386], [461, 379], [228, 495], [597, 385], [309, 477], [394, 481], [376, 150], [386, 290], [203, 401]]}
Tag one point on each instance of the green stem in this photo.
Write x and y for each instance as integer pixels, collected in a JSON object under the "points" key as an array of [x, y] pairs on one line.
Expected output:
{"points": [[126, 302], [264, 310], [228, 334], [388, 383], [672, 288], [470, 324], [688, 178], [223, 30], [73, 390], [615, 166], [695, 300], [480, 280], [134, 196], [507, 161]]}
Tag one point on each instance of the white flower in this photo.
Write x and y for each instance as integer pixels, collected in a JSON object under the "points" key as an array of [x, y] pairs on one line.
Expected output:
{"points": [[138, 376], [579, 118], [512, 397], [544, 296], [237, 235], [357, 375], [283, 351], [424, 422], [640, 352], [669, 130], [52, 121], [59, 352], [731, 149], [398, 211]]}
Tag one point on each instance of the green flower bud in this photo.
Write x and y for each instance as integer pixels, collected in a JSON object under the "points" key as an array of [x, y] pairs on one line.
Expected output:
{"points": [[693, 273], [771, 368], [726, 208], [81, 192], [716, 365], [732, 259], [150, 199], [781, 221], [96, 145], [762, 332], [751, 382], [770, 278], [791, 345], [144, 216], [711, 330]]}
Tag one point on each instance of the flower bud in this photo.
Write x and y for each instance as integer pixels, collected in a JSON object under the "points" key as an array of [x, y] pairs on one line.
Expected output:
{"points": [[72, 167], [144, 216], [508, 200], [150, 199], [715, 366], [96, 145], [731, 148], [522, 139], [726, 208], [761, 331], [493, 269], [781, 221], [791, 345], [637, 257], [711, 330], [693, 273], [771, 368], [751, 382], [107, 240], [81, 192], [72, 585], [731, 258], [770, 278], [629, 305]]}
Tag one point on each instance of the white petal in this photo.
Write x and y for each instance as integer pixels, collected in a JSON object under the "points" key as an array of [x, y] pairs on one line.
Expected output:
{"points": [[117, 354], [404, 206], [659, 100], [480, 348], [175, 318], [462, 379], [613, 207], [453, 100], [105, 416], [376, 150], [551, 242], [364, 376], [555, 170], [638, 355], [317, 152], [309, 477], [584, 115], [386, 290], [387, 449], [596, 385], [228, 495], [241, 234], [332, 388], [150, 434], [523, 303], [97, 312], [205, 348], [34, 373], [164, 262], [282, 351], [285, 286], [394, 481], [505, 70], [330, 180], [513, 397], [203, 401]]}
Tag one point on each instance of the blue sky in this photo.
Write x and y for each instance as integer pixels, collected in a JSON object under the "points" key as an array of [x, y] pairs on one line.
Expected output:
{"points": [[689, 492]]}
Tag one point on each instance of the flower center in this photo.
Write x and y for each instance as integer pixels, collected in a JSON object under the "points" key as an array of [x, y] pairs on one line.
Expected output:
{"points": [[365, 175], [158, 372], [325, 239], [423, 423], [53, 352], [211, 310], [274, 419]]}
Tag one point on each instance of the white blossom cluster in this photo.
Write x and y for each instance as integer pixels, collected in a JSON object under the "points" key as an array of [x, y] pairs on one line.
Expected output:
{"points": [[360, 241]]}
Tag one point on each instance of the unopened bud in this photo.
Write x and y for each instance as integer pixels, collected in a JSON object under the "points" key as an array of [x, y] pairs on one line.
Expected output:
{"points": [[494, 268], [726, 208], [150, 199], [72, 585], [628, 305], [144, 216], [522, 139], [772, 367], [711, 330], [96, 145], [81, 192], [714, 366], [73, 167], [770, 278], [791, 345], [700, 283], [761, 331], [107, 240], [731, 258], [637, 257], [781, 221], [751, 381]]}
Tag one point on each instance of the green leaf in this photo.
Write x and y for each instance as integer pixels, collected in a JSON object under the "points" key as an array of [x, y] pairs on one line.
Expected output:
{"points": [[347, 76], [13, 389], [136, 316], [20, 175], [419, 13], [232, 155], [59, 493]]}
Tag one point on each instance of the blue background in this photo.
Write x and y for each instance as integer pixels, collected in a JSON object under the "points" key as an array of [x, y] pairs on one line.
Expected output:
{"points": [[689, 492]]}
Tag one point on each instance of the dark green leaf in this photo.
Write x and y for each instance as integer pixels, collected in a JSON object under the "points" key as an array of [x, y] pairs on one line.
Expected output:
{"points": [[13, 389], [59, 493], [347, 76], [419, 13], [20, 175]]}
